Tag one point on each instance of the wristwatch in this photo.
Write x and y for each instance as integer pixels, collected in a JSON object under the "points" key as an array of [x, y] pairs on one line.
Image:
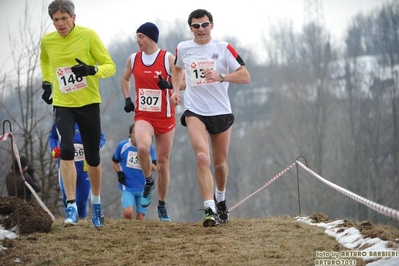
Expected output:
{"points": [[223, 76]]}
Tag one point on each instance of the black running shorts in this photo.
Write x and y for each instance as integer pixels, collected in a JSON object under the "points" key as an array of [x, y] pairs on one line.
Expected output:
{"points": [[214, 124]]}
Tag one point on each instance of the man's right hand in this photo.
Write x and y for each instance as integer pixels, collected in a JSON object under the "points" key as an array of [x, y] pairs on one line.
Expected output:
{"points": [[47, 90], [129, 105], [175, 98], [121, 177], [56, 153]]}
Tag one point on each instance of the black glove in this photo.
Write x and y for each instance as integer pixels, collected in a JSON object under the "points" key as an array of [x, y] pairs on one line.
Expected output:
{"points": [[163, 83], [47, 90], [83, 70], [121, 177], [129, 105]]}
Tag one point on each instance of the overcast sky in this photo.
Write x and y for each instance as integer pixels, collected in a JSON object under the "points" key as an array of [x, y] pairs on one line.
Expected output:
{"points": [[247, 20]]}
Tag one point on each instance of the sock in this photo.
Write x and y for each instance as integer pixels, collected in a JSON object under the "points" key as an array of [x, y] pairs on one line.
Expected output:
{"points": [[220, 195], [149, 180], [161, 203], [70, 201], [210, 204], [95, 199]]}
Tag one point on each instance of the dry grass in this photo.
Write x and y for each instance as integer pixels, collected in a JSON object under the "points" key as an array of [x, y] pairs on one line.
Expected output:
{"points": [[265, 241]]}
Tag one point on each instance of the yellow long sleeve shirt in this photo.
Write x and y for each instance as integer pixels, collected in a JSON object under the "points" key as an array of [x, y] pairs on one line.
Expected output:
{"points": [[57, 56]]}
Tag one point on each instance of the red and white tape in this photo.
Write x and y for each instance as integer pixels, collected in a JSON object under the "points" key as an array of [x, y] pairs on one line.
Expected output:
{"points": [[375, 206]]}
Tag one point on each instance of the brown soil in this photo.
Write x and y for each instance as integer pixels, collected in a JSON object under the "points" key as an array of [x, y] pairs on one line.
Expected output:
{"points": [[26, 217]]}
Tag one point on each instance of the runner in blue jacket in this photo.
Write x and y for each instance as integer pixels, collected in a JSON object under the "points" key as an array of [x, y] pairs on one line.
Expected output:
{"points": [[130, 175], [82, 180]]}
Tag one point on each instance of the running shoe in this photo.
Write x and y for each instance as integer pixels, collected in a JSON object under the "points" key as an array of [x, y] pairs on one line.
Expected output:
{"points": [[163, 214], [210, 218], [97, 215], [145, 199], [71, 216], [222, 211]]}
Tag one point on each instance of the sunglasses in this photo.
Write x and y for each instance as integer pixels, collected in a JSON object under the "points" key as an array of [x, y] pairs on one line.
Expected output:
{"points": [[198, 25]]}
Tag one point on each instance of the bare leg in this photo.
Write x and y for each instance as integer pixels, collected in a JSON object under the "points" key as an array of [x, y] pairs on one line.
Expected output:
{"points": [[199, 140], [95, 175], [220, 149], [164, 146], [68, 174], [143, 135]]}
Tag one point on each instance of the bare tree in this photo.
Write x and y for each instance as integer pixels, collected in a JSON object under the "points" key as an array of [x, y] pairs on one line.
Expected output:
{"points": [[31, 118]]}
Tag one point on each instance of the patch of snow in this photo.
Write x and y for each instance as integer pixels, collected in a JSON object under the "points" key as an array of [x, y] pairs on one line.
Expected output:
{"points": [[368, 249], [6, 234]]}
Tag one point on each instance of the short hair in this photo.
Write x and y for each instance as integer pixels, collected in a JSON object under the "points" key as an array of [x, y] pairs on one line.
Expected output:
{"points": [[199, 13], [131, 128], [24, 162], [65, 6]]}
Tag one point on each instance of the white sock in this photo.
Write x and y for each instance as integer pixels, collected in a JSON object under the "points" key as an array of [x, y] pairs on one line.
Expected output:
{"points": [[220, 195], [210, 204], [95, 199]]}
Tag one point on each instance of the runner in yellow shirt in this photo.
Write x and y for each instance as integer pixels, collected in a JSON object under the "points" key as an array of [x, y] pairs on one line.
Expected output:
{"points": [[72, 59]]}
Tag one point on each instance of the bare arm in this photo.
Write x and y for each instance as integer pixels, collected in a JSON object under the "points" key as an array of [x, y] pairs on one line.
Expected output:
{"points": [[177, 79], [125, 82], [171, 66], [154, 167], [240, 76], [115, 166]]}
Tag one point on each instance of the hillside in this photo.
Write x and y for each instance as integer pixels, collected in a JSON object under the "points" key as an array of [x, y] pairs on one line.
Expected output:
{"points": [[264, 241]]}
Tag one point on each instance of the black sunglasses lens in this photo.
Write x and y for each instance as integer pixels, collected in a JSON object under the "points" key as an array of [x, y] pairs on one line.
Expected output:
{"points": [[198, 25]]}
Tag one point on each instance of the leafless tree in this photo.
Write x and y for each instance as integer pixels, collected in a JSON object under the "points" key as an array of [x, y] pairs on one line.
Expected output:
{"points": [[30, 117]]}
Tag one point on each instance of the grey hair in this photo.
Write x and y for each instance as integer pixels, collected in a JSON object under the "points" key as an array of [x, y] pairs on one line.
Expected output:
{"points": [[65, 6]]}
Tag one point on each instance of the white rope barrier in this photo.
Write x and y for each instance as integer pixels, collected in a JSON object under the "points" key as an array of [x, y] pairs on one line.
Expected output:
{"points": [[265, 185], [5, 137], [15, 149], [375, 206]]}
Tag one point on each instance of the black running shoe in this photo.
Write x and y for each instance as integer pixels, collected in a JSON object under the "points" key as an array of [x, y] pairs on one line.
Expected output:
{"points": [[146, 195], [210, 218], [163, 214], [222, 211]]}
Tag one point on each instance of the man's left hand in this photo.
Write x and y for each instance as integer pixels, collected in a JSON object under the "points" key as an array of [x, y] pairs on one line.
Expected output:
{"points": [[83, 70]]}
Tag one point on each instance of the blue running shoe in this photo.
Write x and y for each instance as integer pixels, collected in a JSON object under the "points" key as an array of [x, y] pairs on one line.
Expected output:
{"points": [[71, 216], [97, 215], [163, 214], [210, 219], [145, 199]]}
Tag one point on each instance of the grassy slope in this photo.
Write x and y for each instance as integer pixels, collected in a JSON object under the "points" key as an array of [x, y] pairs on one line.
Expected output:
{"points": [[269, 240]]}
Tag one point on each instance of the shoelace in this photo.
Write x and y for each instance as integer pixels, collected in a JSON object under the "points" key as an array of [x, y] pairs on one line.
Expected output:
{"points": [[68, 212], [221, 206], [207, 213], [147, 190], [163, 212], [97, 211]]}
